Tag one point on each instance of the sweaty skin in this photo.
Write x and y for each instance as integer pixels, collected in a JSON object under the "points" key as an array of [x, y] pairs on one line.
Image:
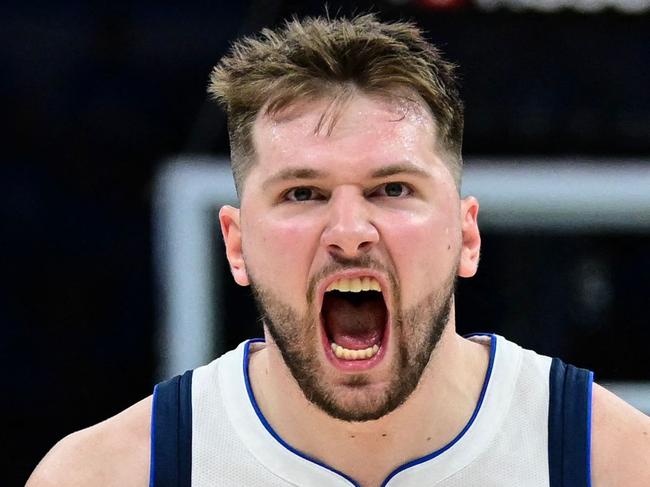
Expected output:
{"points": [[412, 237], [284, 243]]}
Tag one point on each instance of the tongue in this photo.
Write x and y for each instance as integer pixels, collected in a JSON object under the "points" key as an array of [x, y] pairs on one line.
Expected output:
{"points": [[354, 321]]}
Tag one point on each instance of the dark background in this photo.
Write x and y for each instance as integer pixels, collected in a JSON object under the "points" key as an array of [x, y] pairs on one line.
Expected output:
{"points": [[95, 96]]}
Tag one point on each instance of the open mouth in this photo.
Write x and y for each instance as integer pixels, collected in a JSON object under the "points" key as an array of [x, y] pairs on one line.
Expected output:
{"points": [[354, 317]]}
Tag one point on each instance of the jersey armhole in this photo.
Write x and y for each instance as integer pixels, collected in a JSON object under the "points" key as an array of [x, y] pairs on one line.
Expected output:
{"points": [[171, 433], [569, 425]]}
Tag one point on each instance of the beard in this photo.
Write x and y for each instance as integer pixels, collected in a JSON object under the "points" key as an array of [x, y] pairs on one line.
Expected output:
{"points": [[417, 331]]}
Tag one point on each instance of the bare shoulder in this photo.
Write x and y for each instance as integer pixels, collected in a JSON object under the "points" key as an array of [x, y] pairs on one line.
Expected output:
{"points": [[114, 452], [620, 442]]}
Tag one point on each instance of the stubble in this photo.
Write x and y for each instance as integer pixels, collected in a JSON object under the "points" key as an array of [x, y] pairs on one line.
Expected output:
{"points": [[417, 330]]}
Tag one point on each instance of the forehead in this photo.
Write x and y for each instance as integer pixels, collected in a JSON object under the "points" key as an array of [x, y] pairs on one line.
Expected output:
{"points": [[328, 130]]}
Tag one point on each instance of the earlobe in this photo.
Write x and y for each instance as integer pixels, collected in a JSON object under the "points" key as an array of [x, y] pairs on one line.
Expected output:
{"points": [[471, 245], [231, 229]]}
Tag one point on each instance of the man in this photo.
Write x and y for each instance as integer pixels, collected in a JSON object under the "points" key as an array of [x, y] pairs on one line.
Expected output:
{"points": [[346, 152]]}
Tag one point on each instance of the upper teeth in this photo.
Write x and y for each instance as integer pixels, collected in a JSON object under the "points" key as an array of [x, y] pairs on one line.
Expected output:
{"points": [[355, 285]]}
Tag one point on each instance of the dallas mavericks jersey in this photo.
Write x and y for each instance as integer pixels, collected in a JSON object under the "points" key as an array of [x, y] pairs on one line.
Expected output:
{"points": [[530, 428]]}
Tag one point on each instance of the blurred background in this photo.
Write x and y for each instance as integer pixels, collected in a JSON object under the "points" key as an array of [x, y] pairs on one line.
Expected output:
{"points": [[104, 107]]}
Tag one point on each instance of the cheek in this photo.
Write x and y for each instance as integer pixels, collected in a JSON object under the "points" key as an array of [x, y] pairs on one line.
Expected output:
{"points": [[425, 251], [279, 252]]}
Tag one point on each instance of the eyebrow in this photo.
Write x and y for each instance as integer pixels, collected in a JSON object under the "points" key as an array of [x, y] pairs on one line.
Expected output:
{"points": [[400, 168], [294, 173]]}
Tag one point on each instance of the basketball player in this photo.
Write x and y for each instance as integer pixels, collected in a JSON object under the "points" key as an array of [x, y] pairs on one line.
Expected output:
{"points": [[346, 152]]}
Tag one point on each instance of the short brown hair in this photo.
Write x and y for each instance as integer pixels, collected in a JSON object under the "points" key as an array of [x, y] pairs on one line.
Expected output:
{"points": [[318, 57]]}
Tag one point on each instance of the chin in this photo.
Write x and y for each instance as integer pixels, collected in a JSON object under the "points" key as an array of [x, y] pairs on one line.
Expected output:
{"points": [[396, 344]]}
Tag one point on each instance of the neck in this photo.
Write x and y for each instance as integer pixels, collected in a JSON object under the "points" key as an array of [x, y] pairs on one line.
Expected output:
{"points": [[433, 415]]}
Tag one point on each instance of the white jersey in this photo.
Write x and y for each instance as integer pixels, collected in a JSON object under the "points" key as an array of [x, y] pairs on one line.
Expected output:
{"points": [[530, 428]]}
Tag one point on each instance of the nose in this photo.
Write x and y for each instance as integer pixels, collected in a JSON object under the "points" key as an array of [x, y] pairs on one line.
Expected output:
{"points": [[349, 231]]}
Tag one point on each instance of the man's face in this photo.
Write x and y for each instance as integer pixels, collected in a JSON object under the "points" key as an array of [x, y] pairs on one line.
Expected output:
{"points": [[369, 205]]}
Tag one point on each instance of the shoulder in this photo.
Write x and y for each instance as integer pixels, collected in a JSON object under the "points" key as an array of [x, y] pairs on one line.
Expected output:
{"points": [[620, 442], [114, 452]]}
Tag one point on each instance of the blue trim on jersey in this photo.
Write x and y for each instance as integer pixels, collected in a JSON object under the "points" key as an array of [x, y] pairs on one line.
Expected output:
{"points": [[493, 349], [185, 430], [270, 429], [590, 399], [153, 436], [488, 374], [569, 425], [171, 433]]}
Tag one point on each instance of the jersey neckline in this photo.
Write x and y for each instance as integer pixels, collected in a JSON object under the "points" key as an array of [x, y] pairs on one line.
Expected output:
{"points": [[295, 466]]}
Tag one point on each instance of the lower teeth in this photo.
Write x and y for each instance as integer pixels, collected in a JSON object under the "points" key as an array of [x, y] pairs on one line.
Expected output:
{"points": [[349, 354]]}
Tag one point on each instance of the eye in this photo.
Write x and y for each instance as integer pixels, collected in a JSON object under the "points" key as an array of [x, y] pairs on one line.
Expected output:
{"points": [[393, 190], [302, 193]]}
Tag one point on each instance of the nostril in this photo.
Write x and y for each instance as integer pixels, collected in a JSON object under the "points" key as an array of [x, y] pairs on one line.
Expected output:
{"points": [[365, 246], [350, 251], [349, 233]]}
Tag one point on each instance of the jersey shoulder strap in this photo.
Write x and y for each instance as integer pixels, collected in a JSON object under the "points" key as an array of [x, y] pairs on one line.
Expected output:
{"points": [[569, 425], [171, 433]]}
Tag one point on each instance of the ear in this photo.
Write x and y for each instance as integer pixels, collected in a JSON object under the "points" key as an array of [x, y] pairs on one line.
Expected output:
{"points": [[231, 230], [471, 249]]}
